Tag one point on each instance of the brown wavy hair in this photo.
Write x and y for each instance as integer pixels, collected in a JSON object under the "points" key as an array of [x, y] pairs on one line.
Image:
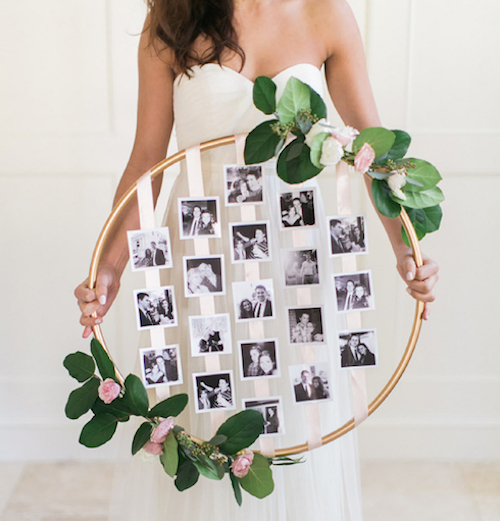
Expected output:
{"points": [[179, 23]]}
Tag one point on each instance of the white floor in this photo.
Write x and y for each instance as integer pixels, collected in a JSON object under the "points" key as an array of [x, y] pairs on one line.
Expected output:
{"points": [[392, 491]]}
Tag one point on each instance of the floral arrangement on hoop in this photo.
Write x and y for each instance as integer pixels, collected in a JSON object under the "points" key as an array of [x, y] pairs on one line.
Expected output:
{"points": [[182, 455], [305, 143]]}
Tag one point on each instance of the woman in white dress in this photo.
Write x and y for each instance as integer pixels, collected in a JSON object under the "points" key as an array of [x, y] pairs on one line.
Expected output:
{"points": [[183, 43]]}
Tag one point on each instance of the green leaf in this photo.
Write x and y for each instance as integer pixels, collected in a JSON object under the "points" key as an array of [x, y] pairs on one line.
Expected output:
{"points": [[241, 430], [296, 97], [425, 220], [318, 106], [98, 430], [380, 139], [316, 148], [80, 366], [261, 143], [423, 199], [295, 149], [208, 468], [170, 457], [383, 201], [236, 488], [82, 399], [104, 363], [217, 440], [172, 406], [400, 146], [297, 169], [279, 146], [135, 397], [187, 476], [264, 94], [378, 175], [424, 173], [259, 480], [141, 437], [116, 408]]}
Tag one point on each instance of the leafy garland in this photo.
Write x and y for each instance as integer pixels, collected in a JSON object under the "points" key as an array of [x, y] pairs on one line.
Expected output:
{"points": [[182, 455], [305, 143]]}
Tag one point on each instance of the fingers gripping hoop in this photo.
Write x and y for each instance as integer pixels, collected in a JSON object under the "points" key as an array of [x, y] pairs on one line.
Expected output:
{"points": [[412, 340]]}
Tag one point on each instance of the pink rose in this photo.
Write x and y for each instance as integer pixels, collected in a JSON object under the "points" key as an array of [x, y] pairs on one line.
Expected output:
{"points": [[345, 136], [160, 433], [242, 463], [109, 390], [364, 159], [155, 449]]}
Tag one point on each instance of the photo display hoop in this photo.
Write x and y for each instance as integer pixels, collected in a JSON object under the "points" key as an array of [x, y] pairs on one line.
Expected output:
{"points": [[417, 320]]}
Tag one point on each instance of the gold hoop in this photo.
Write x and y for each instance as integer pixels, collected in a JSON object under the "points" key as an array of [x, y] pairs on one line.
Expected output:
{"points": [[417, 321]]}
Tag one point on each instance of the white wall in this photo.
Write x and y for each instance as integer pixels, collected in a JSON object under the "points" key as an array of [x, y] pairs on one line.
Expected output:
{"points": [[68, 90]]}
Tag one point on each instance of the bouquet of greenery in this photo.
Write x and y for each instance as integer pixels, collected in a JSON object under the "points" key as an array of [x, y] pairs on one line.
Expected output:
{"points": [[305, 143]]}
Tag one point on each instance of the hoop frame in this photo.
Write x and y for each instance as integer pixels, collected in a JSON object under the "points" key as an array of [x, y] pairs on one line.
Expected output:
{"points": [[417, 320]]}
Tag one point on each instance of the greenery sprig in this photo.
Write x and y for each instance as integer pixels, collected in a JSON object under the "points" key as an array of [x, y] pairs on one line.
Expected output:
{"points": [[183, 456], [305, 143]]}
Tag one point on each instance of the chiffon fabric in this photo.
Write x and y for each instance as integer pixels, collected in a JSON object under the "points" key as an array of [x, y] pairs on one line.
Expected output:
{"points": [[216, 102]]}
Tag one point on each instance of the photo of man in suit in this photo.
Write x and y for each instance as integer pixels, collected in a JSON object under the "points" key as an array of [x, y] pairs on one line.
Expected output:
{"points": [[145, 309], [336, 232], [263, 306], [158, 255], [303, 389]]}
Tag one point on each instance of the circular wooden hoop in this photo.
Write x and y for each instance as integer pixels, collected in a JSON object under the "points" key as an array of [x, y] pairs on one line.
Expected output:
{"points": [[417, 321]]}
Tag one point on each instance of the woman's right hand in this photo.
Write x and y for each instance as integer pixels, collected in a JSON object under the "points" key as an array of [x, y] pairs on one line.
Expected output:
{"points": [[97, 300]]}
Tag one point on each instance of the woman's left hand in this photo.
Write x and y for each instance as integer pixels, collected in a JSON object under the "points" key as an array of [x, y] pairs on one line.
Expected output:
{"points": [[420, 281]]}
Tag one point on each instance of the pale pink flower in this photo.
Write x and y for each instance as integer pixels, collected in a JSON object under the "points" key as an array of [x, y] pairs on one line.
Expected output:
{"points": [[155, 449], [396, 181], [331, 152], [160, 433], [345, 136], [364, 159], [109, 390], [242, 463]]}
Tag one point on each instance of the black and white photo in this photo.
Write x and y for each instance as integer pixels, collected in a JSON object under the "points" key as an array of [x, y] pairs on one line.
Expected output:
{"points": [[310, 382], [300, 267], [259, 358], [214, 391], [347, 235], [305, 325], [244, 184], [297, 208], [250, 241], [272, 411], [155, 307], [161, 366], [353, 291], [210, 334], [149, 249], [199, 217], [358, 348], [204, 275], [253, 300]]}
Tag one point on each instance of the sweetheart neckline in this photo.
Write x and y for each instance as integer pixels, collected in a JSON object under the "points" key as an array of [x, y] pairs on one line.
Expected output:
{"points": [[238, 74]]}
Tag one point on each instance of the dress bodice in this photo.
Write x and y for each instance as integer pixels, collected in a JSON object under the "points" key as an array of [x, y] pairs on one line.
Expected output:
{"points": [[216, 101]]}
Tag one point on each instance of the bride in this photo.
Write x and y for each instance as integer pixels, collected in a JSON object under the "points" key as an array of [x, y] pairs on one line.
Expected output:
{"points": [[197, 61]]}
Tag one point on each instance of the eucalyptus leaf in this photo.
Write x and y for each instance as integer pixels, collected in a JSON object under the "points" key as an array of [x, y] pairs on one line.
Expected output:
{"points": [[423, 199], [296, 97], [316, 149], [187, 476], [82, 399], [241, 430], [304, 124], [425, 173], [135, 397], [104, 363], [261, 143], [172, 406], [414, 182], [298, 169], [264, 94], [378, 175], [141, 437], [259, 480], [80, 366], [116, 408], [170, 457], [383, 201], [279, 146], [400, 146], [208, 468], [318, 107], [236, 488], [98, 430], [295, 149], [217, 440], [379, 138]]}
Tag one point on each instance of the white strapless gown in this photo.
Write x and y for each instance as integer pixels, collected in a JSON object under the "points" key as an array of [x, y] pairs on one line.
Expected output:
{"points": [[217, 102]]}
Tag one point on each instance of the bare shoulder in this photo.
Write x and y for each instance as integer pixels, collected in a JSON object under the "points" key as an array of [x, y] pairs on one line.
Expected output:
{"points": [[154, 53]]}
